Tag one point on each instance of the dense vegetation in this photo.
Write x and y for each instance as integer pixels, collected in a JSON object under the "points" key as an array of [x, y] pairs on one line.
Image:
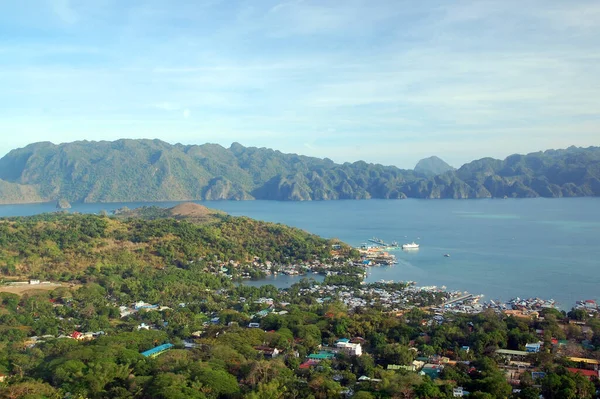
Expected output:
{"points": [[62, 246], [151, 170]]}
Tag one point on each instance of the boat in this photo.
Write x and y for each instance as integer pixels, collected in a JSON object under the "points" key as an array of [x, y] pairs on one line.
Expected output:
{"points": [[412, 245], [446, 255]]}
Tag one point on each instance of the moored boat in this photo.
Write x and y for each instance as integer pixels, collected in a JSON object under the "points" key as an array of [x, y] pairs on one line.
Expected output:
{"points": [[412, 245]]}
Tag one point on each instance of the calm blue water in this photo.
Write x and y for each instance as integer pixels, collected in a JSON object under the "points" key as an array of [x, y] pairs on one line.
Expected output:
{"points": [[548, 248]]}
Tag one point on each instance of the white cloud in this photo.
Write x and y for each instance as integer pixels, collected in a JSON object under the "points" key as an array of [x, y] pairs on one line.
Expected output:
{"points": [[186, 113]]}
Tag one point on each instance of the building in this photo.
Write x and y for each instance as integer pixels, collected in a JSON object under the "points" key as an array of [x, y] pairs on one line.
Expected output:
{"points": [[157, 351], [459, 392], [345, 346], [509, 354], [267, 351], [432, 370], [533, 348], [589, 374], [589, 363], [323, 355], [143, 305]]}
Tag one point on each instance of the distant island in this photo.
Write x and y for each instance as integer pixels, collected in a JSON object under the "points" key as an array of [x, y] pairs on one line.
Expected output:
{"points": [[152, 170]]}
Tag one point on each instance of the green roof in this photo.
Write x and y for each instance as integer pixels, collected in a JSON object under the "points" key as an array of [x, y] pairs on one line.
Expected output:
{"points": [[432, 373], [321, 356]]}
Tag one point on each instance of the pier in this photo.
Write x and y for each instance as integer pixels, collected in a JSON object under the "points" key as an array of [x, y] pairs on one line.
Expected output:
{"points": [[462, 298]]}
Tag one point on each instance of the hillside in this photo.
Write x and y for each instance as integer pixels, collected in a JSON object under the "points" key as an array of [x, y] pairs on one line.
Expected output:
{"points": [[152, 170], [62, 246], [188, 211]]}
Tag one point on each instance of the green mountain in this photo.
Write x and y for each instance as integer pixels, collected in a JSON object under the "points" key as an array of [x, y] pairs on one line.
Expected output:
{"points": [[432, 166], [152, 170]]}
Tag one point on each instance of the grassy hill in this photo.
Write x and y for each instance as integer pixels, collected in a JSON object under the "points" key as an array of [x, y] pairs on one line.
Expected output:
{"points": [[63, 246]]}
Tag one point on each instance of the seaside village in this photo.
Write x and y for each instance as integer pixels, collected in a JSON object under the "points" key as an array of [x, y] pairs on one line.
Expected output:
{"points": [[436, 306]]}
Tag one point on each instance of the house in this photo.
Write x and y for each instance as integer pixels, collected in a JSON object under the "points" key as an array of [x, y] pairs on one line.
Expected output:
{"points": [[533, 348], [323, 355], [432, 370], [401, 367], [459, 392], [267, 351], [589, 374], [34, 282], [254, 325], [143, 305], [509, 354], [345, 346], [537, 375], [308, 364], [143, 326], [466, 348], [77, 335]]}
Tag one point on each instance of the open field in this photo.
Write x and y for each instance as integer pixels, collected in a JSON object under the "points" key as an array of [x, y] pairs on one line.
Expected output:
{"points": [[31, 288]]}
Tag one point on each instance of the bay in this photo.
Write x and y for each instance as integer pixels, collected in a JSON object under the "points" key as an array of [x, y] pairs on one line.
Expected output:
{"points": [[548, 248]]}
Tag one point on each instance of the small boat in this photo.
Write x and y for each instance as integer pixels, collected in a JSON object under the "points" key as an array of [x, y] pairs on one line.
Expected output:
{"points": [[446, 255], [412, 245]]}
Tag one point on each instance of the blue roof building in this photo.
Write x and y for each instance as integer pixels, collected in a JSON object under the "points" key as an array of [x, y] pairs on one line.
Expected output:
{"points": [[533, 348], [157, 351]]}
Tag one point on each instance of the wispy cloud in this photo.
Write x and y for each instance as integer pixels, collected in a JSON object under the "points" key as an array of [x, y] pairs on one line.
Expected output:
{"points": [[387, 81]]}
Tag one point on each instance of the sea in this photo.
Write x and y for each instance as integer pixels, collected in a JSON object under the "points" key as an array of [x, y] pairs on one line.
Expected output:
{"points": [[501, 248]]}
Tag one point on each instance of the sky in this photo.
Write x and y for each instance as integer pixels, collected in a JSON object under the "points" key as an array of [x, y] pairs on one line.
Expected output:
{"points": [[382, 81]]}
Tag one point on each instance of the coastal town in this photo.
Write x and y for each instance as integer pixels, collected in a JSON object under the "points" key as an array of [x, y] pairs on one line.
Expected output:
{"points": [[571, 340], [330, 334]]}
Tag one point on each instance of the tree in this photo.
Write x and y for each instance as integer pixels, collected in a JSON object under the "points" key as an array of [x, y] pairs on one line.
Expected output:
{"points": [[363, 395], [30, 390], [397, 354]]}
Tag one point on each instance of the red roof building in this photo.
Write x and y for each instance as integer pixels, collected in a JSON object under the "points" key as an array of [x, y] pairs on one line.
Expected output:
{"points": [[589, 374]]}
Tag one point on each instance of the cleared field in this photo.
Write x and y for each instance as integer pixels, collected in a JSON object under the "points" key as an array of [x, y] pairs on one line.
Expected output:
{"points": [[30, 289]]}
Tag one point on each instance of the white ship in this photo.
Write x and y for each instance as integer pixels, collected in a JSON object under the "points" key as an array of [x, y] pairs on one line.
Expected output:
{"points": [[412, 245]]}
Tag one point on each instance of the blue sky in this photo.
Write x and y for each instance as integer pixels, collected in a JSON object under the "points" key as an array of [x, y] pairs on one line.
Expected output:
{"points": [[384, 81]]}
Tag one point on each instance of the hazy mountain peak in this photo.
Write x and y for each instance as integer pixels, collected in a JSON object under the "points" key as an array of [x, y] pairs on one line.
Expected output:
{"points": [[432, 166]]}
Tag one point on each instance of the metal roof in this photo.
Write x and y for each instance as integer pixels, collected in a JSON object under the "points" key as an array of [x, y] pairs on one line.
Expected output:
{"points": [[158, 349]]}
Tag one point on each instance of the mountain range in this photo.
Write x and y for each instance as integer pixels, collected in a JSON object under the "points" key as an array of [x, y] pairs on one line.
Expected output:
{"points": [[152, 170]]}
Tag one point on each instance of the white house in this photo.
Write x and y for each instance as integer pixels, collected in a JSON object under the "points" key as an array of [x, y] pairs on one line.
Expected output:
{"points": [[349, 348], [458, 392]]}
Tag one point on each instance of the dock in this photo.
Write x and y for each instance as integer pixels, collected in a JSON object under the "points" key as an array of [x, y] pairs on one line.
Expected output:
{"points": [[455, 300]]}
